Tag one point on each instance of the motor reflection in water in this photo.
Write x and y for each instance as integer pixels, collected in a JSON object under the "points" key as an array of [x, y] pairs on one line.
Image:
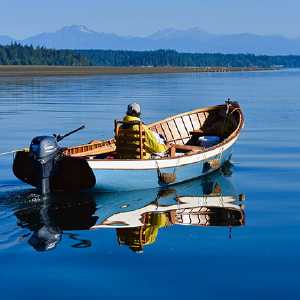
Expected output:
{"points": [[48, 218], [137, 216]]}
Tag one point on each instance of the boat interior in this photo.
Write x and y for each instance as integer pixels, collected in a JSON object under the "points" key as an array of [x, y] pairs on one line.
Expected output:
{"points": [[184, 134]]}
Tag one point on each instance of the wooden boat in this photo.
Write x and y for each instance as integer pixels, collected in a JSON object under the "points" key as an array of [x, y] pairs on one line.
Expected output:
{"points": [[188, 157]]}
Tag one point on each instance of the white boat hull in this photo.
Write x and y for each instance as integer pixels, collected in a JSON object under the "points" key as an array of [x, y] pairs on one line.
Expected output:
{"points": [[126, 175]]}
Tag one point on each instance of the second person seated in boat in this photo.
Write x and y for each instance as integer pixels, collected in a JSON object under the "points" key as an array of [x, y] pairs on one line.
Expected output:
{"points": [[153, 144]]}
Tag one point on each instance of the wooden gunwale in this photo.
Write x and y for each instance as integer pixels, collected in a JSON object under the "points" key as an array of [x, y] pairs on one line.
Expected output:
{"points": [[220, 145], [76, 150]]}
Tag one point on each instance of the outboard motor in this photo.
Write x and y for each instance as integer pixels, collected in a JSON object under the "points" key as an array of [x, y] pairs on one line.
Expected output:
{"points": [[45, 152]]}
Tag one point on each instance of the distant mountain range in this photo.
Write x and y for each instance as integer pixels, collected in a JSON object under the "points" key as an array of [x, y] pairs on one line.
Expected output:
{"points": [[190, 40]]}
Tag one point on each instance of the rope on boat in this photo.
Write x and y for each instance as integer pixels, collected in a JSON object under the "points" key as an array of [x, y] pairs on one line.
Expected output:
{"points": [[166, 178], [13, 151]]}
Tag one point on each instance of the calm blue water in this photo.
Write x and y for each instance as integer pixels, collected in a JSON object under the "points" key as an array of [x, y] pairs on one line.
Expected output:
{"points": [[175, 248]]}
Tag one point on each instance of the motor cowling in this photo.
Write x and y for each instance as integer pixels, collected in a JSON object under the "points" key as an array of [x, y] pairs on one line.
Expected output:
{"points": [[45, 152]]}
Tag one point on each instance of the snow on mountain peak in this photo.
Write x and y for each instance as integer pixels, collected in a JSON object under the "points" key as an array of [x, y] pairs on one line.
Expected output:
{"points": [[76, 28]]}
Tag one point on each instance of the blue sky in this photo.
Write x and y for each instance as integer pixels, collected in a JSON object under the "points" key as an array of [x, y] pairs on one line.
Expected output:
{"points": [[21, 19]]}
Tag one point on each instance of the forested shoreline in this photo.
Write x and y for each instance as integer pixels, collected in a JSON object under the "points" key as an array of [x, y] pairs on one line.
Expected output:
{"points": [[17, 54], [160, 58]]}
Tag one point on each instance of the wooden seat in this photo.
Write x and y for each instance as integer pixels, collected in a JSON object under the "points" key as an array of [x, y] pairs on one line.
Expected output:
{"points": [[130, 144]]}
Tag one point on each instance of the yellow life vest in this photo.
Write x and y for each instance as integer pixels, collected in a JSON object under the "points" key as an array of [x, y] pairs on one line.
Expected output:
{"points": [[131, 129]]}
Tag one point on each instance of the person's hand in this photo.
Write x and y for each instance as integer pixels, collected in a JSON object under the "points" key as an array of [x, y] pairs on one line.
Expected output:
{"points": [[169, 145]]}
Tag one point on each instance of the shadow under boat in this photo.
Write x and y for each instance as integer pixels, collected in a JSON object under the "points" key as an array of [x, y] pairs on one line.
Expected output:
{"points": [[137, 216]]}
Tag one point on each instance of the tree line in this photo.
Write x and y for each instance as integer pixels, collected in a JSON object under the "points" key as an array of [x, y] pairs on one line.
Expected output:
{"points": [[173, 58], [17, 54]]}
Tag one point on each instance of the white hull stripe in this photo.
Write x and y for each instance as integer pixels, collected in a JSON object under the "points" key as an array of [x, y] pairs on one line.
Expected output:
{"points": [[116, 164]]}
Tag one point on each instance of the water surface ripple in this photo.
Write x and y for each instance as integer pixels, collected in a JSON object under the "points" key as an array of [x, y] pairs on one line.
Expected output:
{"points": [[195, 240]]}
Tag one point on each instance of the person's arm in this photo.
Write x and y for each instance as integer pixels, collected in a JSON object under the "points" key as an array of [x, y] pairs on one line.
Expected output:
{"points": [[152, 143]]}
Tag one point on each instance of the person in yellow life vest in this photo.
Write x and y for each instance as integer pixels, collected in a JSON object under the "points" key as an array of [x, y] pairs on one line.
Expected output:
{"points": [[154, 144]]}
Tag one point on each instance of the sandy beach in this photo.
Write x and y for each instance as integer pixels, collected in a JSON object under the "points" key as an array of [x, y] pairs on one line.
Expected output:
{"points": [[17, 70]]}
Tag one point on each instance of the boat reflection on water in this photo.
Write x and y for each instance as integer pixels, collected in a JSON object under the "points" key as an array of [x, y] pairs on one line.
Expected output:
{"points": [[137, 216], [48, 219]]}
